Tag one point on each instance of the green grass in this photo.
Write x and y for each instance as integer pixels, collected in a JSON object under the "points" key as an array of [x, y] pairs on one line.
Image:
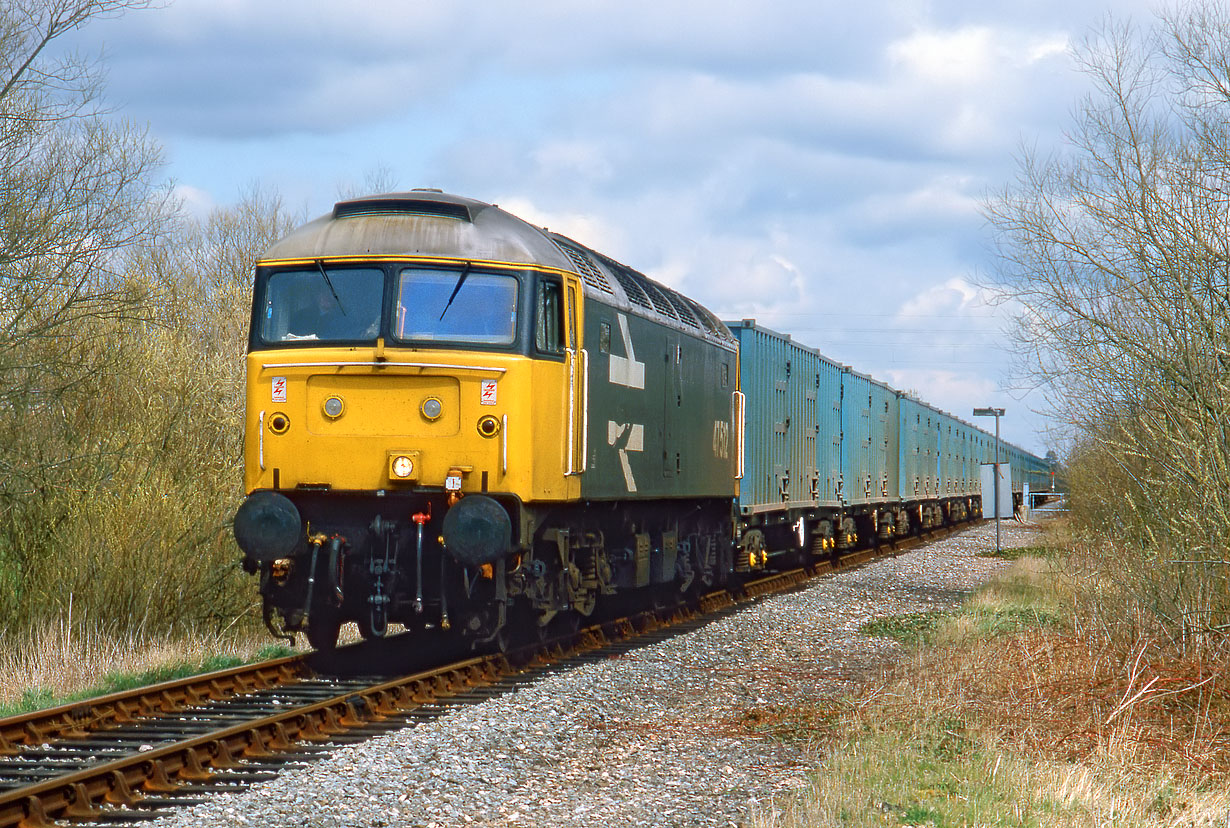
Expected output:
{"points": [[1008, 620], [923, 628], [913, 628], [1018, 552], [40, 698], [931, 768], [1018, 600], [935, 768]]}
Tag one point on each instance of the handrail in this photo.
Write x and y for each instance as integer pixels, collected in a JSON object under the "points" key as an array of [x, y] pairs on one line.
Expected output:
{"points": [[739, 405], [584, 410], [504, 444], [570, 449], [380, 364]]}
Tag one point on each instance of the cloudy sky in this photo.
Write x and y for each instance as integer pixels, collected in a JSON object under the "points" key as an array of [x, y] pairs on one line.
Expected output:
{"points": [[817, 166]]}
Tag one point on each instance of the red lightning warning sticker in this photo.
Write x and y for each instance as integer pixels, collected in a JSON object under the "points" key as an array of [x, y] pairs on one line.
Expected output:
{"points": [[279, 389], [487, 394]]}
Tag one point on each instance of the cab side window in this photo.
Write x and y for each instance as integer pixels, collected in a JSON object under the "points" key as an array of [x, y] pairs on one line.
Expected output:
{"points": [[549, 329]]}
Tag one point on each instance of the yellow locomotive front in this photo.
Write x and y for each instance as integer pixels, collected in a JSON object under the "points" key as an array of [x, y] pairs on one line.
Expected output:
{"points": [[413, 379]]}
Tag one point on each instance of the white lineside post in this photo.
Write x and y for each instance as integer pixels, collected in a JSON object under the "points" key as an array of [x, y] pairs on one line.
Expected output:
{"points": [[996, 413]]}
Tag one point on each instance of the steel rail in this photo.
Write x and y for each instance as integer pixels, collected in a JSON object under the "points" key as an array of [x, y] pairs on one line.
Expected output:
{"points": [[124, 782], [76, 718]]}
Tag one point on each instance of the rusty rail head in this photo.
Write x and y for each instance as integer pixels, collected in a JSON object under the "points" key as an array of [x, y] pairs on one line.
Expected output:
{"points": [[73, 719], [162, 769]]}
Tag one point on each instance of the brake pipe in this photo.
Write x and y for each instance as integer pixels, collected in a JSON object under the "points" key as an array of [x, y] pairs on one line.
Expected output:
{"points": [[420, 519]]}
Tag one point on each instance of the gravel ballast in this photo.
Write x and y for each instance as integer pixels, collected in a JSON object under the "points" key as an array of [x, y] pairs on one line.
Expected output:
{"points": [[663, 735]]}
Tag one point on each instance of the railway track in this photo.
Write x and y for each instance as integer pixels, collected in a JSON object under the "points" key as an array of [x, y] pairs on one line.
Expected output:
{"points": [[128, 757]]}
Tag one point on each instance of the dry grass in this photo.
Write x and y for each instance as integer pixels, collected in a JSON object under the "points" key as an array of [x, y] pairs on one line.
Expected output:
{"points": [[59, 659], [1107, 791], [1050, 726], [1068, 698]]}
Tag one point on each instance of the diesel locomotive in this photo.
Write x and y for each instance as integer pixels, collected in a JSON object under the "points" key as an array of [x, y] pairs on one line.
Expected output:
{"points": [[458, 421]]}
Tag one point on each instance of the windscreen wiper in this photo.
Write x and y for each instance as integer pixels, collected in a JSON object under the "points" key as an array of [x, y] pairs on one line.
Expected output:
{"points": [[465, 271], [321, 266]]}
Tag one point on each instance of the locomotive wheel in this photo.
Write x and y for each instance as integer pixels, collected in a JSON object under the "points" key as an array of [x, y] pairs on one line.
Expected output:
{"points": [[563, 625], [322, 629], [504, 640], [521, 630], [583, 600]]}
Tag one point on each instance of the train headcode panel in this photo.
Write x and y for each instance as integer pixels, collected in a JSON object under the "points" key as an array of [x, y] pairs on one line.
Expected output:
{"points": [[466, 425]]}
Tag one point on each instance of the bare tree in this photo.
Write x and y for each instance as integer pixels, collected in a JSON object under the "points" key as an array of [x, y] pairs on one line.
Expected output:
{"points": [[75, 190], [377, 179], [1117, 249]]}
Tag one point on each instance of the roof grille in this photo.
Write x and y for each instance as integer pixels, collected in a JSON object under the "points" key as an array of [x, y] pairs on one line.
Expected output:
{"points": [[708, 320], [682, 309], [660, 302], [640, 289], [628, 281], [401, 207], [583, 263]]}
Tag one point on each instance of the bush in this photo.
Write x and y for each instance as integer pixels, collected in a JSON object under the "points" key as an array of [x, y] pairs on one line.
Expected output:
{"points": [[137, 475], [1117, 252]]}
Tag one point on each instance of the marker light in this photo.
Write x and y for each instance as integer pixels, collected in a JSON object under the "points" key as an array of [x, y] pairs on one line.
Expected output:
{"points": [[432, 408], [334, 407]]}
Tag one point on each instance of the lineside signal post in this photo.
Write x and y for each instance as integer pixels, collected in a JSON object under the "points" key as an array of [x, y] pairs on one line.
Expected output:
{"points": [[996, 413]]}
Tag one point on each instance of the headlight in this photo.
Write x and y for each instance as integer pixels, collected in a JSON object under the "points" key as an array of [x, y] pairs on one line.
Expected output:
{"points": [[402, 467]]}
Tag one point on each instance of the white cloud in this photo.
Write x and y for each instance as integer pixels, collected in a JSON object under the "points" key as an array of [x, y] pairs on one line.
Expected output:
{"points": [[979, 81], [957, 392], [975, 55], [934, 206], [573, 159], [588, 229], [1055, 45], [954, 298], [964, 56], [194, 201]]}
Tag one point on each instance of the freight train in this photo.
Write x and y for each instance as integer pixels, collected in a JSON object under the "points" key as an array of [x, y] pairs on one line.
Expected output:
{"points": [[457, 421]]}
